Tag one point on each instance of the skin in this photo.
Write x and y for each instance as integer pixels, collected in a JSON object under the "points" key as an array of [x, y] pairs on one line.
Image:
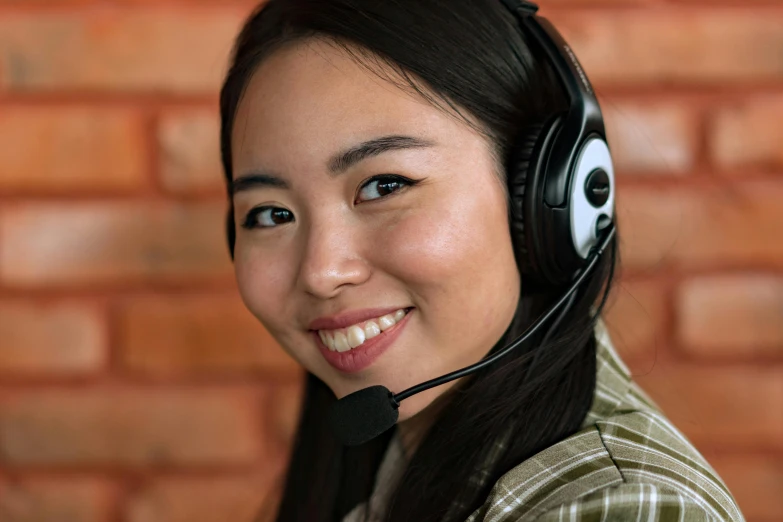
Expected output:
{"points": [[442, 246]]}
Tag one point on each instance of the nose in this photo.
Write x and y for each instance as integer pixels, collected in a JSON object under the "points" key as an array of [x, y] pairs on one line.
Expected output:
{"points": [[331, 260]]}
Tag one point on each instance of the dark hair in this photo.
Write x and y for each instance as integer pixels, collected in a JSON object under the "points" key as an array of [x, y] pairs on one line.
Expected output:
{"points": [[470, 58]]}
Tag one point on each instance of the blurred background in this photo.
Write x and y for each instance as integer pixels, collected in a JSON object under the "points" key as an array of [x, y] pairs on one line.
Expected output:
{"points": [[135, 386]]}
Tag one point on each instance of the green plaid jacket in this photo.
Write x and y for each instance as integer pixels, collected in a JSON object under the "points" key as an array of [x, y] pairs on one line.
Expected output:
{"points": [[627, 463]]}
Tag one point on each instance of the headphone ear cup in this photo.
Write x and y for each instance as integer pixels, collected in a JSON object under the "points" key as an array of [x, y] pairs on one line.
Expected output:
{"points": [[519, 173]]}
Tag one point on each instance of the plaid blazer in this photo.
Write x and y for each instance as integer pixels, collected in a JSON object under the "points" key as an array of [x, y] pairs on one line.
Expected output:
{"points": [[627, 463]]}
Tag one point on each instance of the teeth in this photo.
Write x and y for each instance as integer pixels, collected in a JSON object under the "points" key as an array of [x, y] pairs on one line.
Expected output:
{"points": [[343, 340], [371, 329], [355, 336], [386, 322], [328, 341]]}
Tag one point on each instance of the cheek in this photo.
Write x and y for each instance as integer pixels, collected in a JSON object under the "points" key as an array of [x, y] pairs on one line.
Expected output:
{"points": [[457, 256], [263, 286]]}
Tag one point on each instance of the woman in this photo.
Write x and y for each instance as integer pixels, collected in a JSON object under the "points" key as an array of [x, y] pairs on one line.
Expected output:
{"points": [[372, 158]]}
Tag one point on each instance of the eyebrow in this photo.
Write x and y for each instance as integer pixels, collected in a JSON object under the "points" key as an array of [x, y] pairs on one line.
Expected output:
{"points": [[337, 164]]}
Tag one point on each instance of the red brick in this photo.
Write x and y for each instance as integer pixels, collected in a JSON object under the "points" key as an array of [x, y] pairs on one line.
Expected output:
{"points": [[747, 133], [212, 499], [59, 338], [710, 226], [755, 481], [76, 243], [646, 137], [635, 316], [728, 407], [163, 49], [190, 152], [130, 428], [71, 500], [650, 223], [726, 316], [191, 335], [663, 44], [44, 149]]}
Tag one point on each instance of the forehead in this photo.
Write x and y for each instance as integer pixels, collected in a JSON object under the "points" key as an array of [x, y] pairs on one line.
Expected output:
{"points": [[312, 98]]}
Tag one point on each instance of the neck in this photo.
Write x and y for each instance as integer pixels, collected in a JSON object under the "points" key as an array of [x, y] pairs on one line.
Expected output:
{"points": [[413, 430]]}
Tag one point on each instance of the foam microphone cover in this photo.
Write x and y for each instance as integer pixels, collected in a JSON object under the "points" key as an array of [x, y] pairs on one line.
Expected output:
{"points": [[363, 415]]}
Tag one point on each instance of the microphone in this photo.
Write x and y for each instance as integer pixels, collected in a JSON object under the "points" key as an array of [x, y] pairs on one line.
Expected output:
{"points": [[364, 414]]}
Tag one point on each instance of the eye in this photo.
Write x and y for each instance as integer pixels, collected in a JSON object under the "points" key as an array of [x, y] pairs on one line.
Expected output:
{"points": [[383, 185], [267, 217]]}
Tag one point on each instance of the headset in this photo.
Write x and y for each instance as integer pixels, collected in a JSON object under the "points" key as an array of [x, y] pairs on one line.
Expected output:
{"points": [[560, 175], [561, 186]]}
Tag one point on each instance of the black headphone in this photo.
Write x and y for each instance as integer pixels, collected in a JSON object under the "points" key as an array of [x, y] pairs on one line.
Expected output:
{"points": [[560, 175]]}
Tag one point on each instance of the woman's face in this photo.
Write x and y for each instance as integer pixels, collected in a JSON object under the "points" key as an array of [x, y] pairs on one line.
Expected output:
{"points": [[363, 200]]}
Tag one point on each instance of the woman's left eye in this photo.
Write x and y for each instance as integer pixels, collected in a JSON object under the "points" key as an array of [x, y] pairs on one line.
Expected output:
{"points": [[381, 186]]}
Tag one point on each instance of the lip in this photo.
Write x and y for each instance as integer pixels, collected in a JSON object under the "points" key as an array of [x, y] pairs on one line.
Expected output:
{"points": [[357, 359], [346, 319]]}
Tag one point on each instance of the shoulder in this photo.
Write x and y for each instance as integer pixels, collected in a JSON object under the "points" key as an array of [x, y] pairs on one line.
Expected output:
{"points": [[628, 462], [634, 466]]}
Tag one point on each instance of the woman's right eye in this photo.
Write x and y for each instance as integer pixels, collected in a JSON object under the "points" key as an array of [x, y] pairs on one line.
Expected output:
{"points": [[267, 217]]}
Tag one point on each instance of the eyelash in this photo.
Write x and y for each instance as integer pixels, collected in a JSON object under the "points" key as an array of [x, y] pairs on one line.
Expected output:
{"points": [[250, 220]]}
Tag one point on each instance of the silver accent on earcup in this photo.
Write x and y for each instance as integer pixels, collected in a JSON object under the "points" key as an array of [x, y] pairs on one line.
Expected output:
{"points": [[584, 216]]}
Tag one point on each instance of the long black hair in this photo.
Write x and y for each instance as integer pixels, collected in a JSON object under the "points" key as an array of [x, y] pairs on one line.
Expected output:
{"points": [[469, 58]]}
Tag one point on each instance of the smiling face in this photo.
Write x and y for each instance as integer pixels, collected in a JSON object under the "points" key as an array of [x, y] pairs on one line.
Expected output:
{"points": [[328, 224]]}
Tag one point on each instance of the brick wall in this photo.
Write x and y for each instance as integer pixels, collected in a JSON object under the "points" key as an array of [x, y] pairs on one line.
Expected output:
{"points": [[135, 387]]}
